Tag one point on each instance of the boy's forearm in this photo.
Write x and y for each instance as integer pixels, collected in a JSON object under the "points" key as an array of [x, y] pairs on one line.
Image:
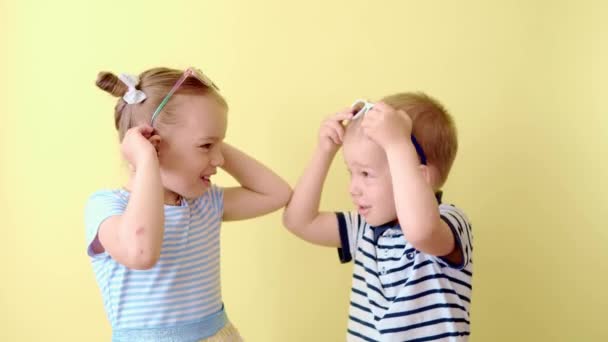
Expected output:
{"points": [[414, 198], [253, 175], [303, 207], [142, 223]]}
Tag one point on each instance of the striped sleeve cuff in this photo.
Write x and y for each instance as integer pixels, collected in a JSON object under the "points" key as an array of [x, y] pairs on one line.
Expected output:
{"points": [[461, 229], [344, 252], [100, 206]]}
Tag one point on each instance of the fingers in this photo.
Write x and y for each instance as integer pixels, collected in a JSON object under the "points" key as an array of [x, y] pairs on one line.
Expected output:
{"points": [[334, 137], [337, 130], [345, 114], [332, 129], [145, 130]]}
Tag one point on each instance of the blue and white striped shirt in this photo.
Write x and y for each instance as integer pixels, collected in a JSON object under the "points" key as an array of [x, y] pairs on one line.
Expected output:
{"points": [[401, 294], [182, 291]]}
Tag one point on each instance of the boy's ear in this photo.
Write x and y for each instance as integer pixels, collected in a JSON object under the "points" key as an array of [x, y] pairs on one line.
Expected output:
{"points": [[431, 175], [155, 141], [427, 174]]}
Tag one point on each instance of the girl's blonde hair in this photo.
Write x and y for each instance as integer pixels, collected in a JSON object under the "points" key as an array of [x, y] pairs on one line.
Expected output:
{"points": [[155, 83]]}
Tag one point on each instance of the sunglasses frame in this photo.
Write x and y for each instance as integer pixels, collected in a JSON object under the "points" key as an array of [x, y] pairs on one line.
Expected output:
{"points": [[367, 106], [190, 72]]}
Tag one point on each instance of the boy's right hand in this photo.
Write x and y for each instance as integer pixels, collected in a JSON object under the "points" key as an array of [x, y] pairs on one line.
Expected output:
{"points": [[331, 133], [136, 146]]}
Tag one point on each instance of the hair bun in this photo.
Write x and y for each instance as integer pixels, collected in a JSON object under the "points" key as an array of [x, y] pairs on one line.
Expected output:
{"points": [[110, 83]]}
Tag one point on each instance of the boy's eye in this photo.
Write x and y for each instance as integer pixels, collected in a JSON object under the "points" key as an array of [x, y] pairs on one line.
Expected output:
{"points": [[364, 173], [206, 146]]}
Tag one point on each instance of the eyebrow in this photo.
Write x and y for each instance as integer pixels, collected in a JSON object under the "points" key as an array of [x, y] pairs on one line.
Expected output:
{"points": [[357, 164], [213, 138]]}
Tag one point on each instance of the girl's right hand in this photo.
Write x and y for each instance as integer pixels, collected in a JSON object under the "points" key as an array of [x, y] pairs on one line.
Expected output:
{"points": [[136, 146], [331, 133]]}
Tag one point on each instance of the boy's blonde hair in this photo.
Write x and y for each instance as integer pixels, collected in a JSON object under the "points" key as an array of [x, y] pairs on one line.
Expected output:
{"points": [[433, 128], [155, 83]]}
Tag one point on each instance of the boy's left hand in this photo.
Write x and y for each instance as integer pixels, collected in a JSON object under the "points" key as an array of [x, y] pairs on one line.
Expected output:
{"points": [[386, 126]]}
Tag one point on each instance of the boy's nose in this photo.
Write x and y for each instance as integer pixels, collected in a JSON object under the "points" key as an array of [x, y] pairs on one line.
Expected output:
{"points": [[354, 190]]}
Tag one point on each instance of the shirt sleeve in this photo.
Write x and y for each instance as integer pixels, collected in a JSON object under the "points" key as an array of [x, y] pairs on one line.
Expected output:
{"points": [[349, 227], [217, 198], [461, 229], [101, 206]]}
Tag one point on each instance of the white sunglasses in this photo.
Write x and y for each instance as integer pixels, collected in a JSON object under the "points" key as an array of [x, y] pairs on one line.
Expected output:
{"points": [[361, 107]]}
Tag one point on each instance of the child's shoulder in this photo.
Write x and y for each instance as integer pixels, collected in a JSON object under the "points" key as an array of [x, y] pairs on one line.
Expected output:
{"points": [[118, 195], [449, 209], [109, 192]]}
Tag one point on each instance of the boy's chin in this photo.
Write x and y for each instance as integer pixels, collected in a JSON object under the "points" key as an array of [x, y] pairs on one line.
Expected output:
{"points": [[379, 221]]}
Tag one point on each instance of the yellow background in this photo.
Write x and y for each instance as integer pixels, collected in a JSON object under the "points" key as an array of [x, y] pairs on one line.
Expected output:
{"points": [[525, 80]]}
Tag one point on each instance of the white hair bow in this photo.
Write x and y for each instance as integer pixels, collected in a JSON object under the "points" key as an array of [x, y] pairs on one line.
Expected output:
{"points": [[132, 95]]}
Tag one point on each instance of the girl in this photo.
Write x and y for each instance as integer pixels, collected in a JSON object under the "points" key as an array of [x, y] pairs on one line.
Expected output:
{"points": [[154, 244]]}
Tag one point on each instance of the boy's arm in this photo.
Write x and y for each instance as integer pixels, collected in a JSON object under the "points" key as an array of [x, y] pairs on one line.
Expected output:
{"points": [[261, 191], [415, 202], [301, 215], [134, 239], [417, 206]]}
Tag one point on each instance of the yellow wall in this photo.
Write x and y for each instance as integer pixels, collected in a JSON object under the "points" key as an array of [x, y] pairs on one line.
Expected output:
{"points": [[524, 80]]}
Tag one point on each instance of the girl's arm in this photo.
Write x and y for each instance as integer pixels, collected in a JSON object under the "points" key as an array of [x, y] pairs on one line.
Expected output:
{"points": [[134, 238], [261, 191]]}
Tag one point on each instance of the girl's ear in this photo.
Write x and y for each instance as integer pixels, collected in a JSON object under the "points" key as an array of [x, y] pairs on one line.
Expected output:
{"points": [[155, 141]]}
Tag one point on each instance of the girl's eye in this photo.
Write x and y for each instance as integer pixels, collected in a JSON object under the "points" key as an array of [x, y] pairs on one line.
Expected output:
{"points": [[206, 146]]}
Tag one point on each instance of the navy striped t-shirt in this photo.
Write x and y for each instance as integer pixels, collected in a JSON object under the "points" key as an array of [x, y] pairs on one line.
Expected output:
{"points": [[401, 294]]}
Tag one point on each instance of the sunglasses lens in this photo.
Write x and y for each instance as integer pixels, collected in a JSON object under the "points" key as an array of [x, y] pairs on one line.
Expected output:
{"points": [[358, 107]]}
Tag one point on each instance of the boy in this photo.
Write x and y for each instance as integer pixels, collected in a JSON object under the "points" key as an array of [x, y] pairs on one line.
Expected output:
{"points": [[412, 254]]}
